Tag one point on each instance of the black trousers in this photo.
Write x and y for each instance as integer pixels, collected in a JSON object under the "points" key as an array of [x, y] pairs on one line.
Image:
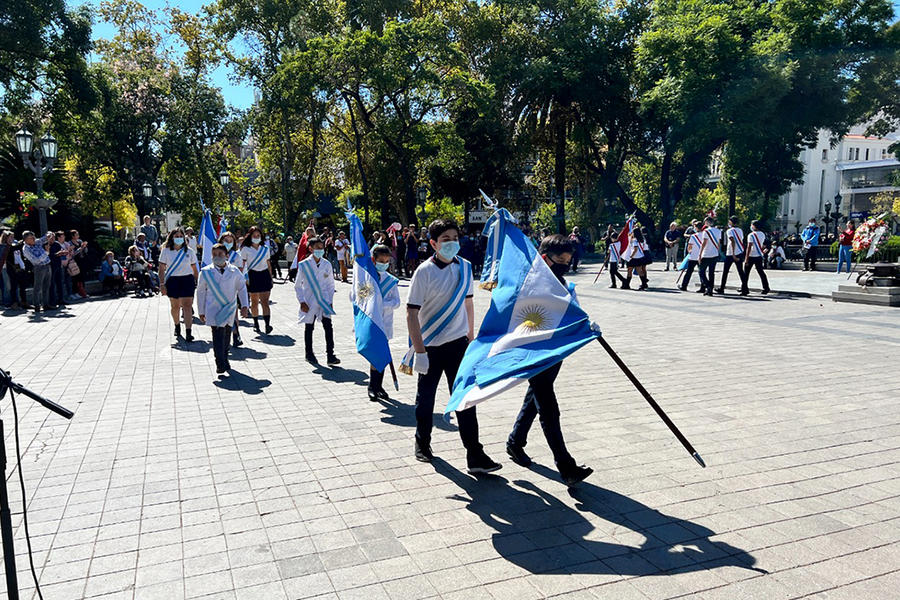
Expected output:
{"points": [[687, 274], [809, 261], [755, 262], [57, 296], [276, 266], [708, 273], [444, 360], [738, 262], [540, 399], [329, 336], [221, 339], [614, 273], [376, 380]]}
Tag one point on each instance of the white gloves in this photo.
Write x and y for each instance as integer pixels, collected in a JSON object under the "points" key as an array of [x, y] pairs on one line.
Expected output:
{"points": [[420, 364], [595, 327]]}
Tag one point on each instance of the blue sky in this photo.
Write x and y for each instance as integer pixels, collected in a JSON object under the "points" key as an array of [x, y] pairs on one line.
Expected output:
{"points": [[237, 95]]}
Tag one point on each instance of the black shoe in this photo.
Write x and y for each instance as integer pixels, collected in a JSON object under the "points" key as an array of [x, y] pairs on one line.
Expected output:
{"points": [[517, 454], [237, 342], [576, 475], [481, 463], [268, 329], [311, 359], [373, 396], [667, 268], [612, 287], [333, 360], [423, 452], [720, 291], [220, 369], [178, 331], [683, 288], [766, 291], [745, 292], [189, 337], [382, 395], [700, 291]]}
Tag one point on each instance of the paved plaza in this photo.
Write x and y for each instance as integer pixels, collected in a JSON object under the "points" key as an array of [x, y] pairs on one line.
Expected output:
{"points": [[284, 481]]}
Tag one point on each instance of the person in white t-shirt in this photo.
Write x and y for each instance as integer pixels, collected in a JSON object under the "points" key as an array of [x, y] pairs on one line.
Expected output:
{"points": [[692, 250], [434, 286], [709, 255], [755, 252], [342, 248], [734, 252], [178, 279], [258, 271]]}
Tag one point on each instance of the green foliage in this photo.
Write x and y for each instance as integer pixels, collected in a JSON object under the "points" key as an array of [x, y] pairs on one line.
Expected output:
{"points": [[442, 208]]}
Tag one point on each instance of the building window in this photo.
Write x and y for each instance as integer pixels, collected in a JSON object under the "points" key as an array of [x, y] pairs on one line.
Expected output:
{"points": [[824, 155], [867, 154], [856, 157], [850, 154], [883, 153]]}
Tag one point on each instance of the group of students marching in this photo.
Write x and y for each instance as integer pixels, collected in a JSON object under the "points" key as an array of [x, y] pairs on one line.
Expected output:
{"points": [[239, 277], [439, 315], [704, 244]]}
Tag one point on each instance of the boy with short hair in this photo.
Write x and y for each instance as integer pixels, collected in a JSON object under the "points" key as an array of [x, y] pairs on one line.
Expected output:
{"points": [[614, 263], [314, 287], [220, 291], [540, 399], [390, 300], [709, 255], [440, 315], [734, 252], [692, 250]]}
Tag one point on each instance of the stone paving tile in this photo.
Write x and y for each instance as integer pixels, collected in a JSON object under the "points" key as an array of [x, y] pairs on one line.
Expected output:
{"points": [[283, 481]]}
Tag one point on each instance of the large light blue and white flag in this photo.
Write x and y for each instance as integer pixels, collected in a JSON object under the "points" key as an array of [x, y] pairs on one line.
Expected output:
{"points": [[533, 323], [366, 297], [207, 238]]}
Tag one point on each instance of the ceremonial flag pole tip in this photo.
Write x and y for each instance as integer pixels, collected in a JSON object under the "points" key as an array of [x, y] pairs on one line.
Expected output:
{"points": [[699, 460]]}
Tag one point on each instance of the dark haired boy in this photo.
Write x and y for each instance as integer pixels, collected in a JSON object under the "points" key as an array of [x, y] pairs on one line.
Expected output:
{"points": [[440, 316], [540, 399], [220, 291], [734, 252], [614, 255], [314, 287], [390, 300]]}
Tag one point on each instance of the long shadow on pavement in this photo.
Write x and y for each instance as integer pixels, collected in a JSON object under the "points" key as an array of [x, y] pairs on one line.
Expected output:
{"points": [[404, 415], [276, 339], [238, 382], [341, 375], [537, 532]]}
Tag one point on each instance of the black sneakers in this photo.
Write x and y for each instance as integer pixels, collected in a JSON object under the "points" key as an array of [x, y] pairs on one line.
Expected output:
{"points": [[576, 475], [517, 454], [333, 360], [311, 358], [481, 463], [423, 452]]}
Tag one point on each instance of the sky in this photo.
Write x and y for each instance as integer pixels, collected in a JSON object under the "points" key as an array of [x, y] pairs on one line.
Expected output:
{"points": [[238, 95]]}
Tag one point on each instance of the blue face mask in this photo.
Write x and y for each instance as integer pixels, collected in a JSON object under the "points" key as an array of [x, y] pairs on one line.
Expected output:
{"points": [[229, 245], [448, 250], [382, 266], [318, 253], [178, 241]]}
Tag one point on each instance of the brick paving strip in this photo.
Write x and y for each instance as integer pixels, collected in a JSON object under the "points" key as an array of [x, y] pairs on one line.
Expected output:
{"points": [[284, 481]]}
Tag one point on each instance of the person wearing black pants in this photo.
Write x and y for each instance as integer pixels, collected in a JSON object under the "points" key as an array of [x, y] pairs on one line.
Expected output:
{"points": [[444, 360], [329, 340], [734, 253], [692, 249], [709, 255], [221, 341], [755, 253]]}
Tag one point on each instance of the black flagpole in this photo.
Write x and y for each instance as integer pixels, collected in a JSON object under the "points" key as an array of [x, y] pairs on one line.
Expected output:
{"points": [[659, 411], [394, 376]]}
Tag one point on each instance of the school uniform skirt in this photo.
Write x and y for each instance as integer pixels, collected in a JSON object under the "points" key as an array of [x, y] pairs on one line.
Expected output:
{"points": [[181, 286], [639, 262], [260, 281]]}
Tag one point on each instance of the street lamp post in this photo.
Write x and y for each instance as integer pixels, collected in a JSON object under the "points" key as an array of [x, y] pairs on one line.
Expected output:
{"points": [[40, 160], [827, 218], [837, 213], [225, 181], [422, 194]]}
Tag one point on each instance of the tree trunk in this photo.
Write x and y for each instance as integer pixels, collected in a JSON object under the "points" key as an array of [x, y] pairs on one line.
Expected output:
{"points": [[360, 164], [559, 167], [409, 194]]}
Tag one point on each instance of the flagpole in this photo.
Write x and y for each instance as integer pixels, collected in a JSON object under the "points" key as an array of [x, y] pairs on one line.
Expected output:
{"points": [[394, 377], [659, 411]]}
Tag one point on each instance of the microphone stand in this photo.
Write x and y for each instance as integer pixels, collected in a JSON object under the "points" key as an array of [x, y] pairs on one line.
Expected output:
{"points": [[6, 530]]}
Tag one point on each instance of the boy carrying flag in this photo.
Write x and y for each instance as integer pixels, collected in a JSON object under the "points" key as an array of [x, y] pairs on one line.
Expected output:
{"points": [[315, 292], [220, 291], [390, 300]]}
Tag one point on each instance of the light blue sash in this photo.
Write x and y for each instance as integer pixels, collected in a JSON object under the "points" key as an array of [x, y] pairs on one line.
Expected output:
{"points": [[310, 274], [226, 308], [387, 284], [439, 321], [260, 256], [235, 259], [176, 263]]}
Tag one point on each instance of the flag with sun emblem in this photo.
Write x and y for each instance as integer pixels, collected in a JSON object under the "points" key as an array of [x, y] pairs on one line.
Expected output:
{"points": [[365, 294], [533, 322]]}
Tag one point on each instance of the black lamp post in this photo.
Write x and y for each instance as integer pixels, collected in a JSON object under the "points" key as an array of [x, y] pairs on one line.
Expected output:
{"points": [[422, 194], [827, 217], [837, 213], [225, 182], [40, 160]]}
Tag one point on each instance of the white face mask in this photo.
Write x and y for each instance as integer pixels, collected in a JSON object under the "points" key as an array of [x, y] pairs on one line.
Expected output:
{"points": [[256, 240]]}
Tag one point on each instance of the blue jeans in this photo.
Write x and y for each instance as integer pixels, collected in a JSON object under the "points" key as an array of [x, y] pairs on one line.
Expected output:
{"points": [[844, 255]]}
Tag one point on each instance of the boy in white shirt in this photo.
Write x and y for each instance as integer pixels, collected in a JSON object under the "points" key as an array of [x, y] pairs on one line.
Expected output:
{"points": [[709, 255], [755, 253], [440, 298], [315, 291], [390, 300], [692, 249], [342, 247], [734, 252], [220, 291]]}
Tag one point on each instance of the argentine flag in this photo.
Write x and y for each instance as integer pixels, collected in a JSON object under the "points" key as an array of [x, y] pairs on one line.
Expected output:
{"points": [[207, 238], [533, 323], [365, 295]]}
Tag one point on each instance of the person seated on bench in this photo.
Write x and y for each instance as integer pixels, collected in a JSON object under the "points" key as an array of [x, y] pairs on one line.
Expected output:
{"points": [[111, 275], [137, 266]]}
